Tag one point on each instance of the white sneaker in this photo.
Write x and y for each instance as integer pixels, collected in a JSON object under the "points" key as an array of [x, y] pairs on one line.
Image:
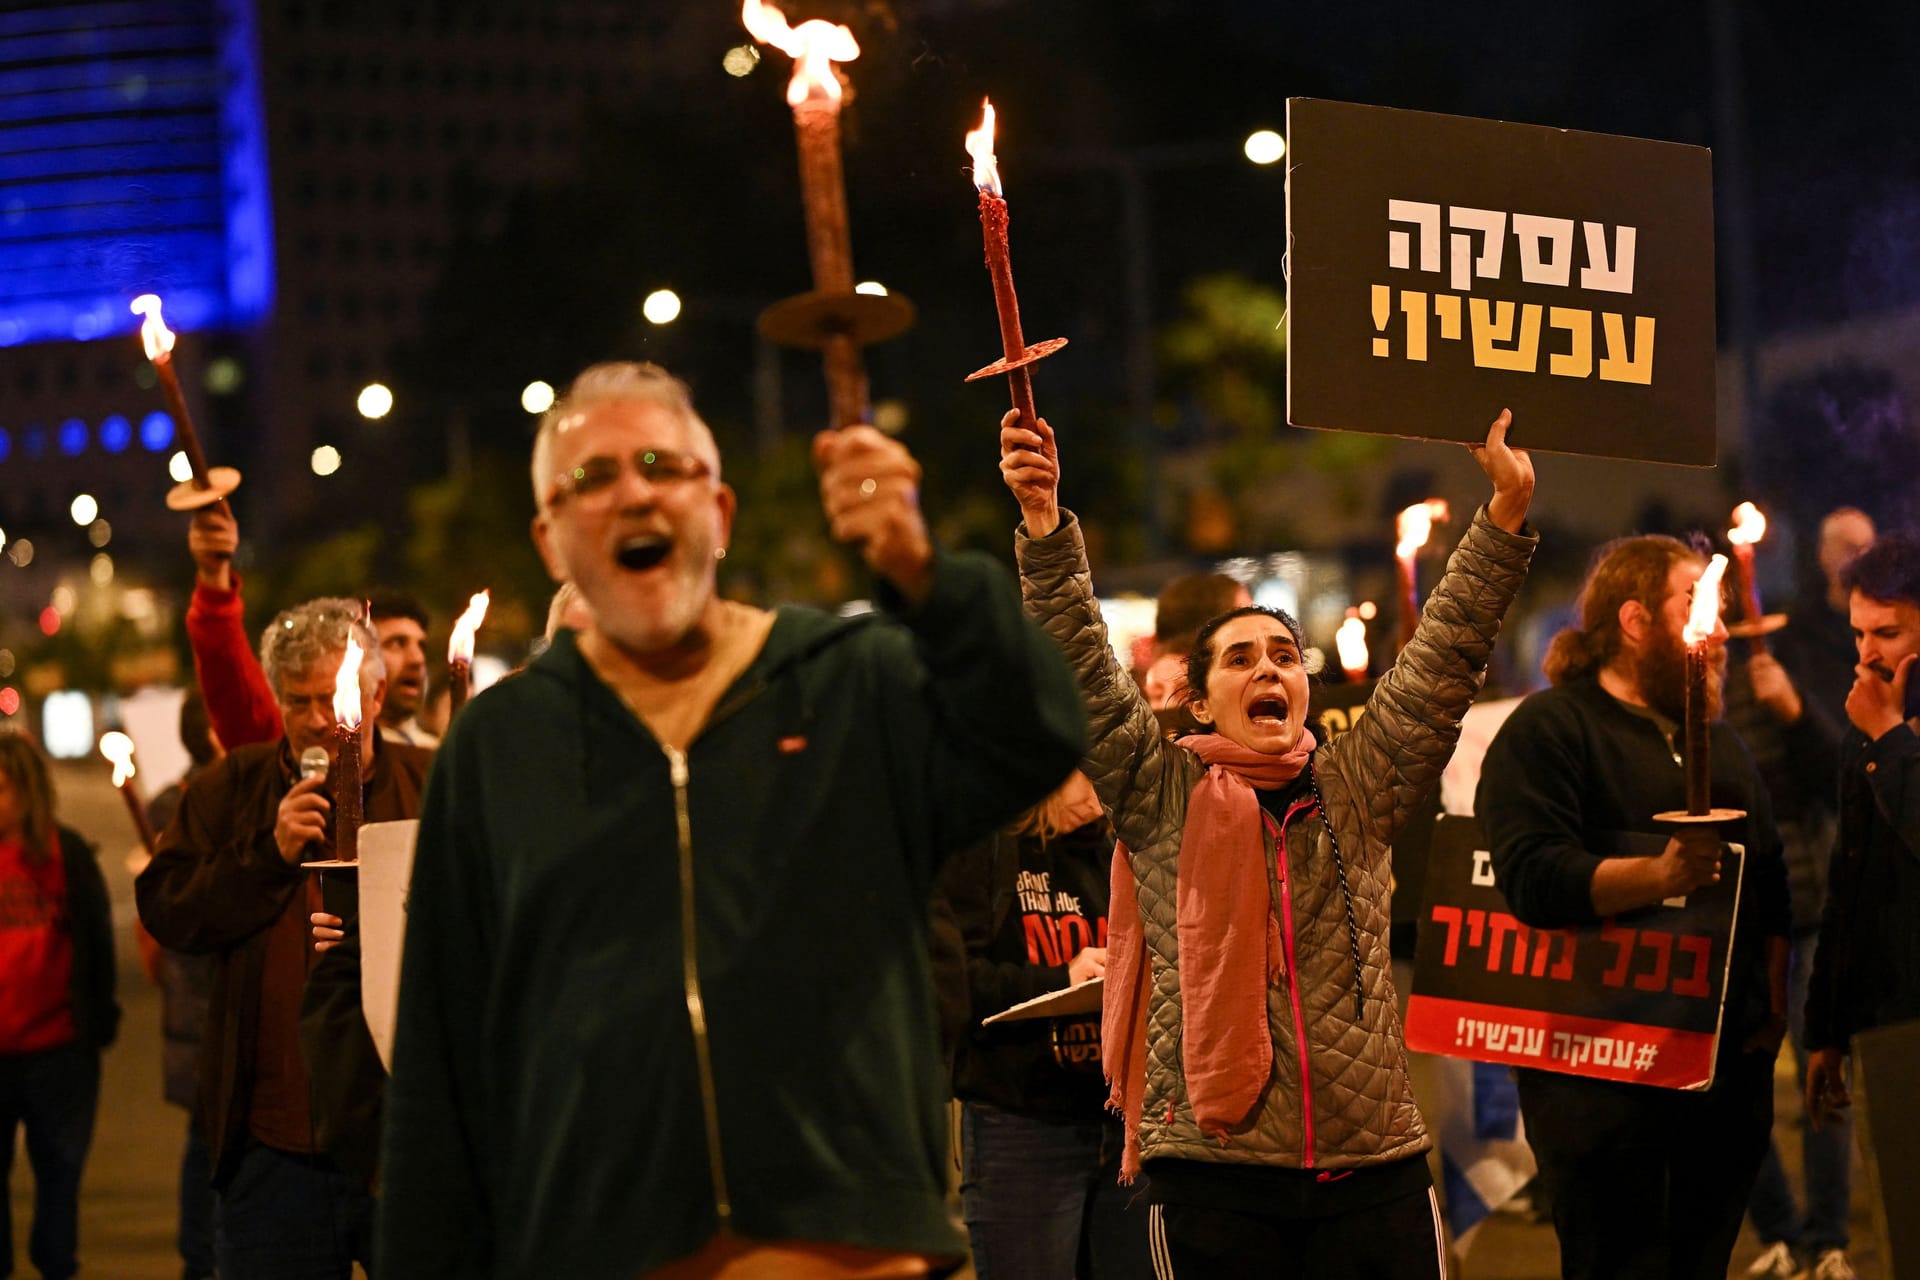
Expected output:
{"points": [[1833, 1265], [1777, 1263]]}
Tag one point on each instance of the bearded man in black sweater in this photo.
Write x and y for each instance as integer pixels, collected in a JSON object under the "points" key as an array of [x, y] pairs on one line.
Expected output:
{"points": [[1645, 1181]]}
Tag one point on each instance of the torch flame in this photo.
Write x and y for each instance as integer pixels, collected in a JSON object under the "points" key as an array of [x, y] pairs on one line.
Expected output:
{"points": [[986, 173], [460, 643], [1703, 616], [154, 334], [815, 45], [1749, 525], [1351, 641], [118, 747], [1415, 525], [346, 686]]}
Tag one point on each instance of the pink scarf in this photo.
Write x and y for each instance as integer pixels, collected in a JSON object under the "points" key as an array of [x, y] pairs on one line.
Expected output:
{"points": [[1229, 941]]}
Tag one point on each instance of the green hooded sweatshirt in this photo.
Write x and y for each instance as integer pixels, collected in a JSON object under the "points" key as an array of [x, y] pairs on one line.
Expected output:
{"points": [[552, 1111]]}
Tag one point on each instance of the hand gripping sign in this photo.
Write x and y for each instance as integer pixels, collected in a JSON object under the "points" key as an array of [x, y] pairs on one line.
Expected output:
{"points": [[1636, 998]]}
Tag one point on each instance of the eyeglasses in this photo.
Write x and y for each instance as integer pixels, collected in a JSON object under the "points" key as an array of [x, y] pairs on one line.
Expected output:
{"points": [[593, 480]]}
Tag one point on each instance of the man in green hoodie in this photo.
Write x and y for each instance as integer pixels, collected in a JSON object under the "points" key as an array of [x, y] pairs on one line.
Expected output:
{"points": [[666, 1006]]}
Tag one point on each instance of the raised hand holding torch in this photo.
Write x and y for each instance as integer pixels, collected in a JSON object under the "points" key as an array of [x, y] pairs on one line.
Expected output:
{"points": [[1755, 624], [1016, 355], [460, 653], [118, 748], [207, 486]]}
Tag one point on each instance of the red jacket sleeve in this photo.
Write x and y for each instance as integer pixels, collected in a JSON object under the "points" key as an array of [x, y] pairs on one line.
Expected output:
{"points": [[240, 703]]}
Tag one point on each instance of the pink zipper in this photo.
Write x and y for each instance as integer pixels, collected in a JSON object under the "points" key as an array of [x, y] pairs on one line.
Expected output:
{"points": [[1293, 985]]}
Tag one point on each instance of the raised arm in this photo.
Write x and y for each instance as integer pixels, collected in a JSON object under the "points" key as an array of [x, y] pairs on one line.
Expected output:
{"points": [[240, 703], [1398, 749], [982, 709], [1142, 779]]}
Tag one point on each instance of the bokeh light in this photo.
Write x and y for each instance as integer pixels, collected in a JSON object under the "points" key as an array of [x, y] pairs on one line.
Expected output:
{"points": [[156, 431], [537, 396], [116, 433], [375, 401], [661, 307], [1264, 146]]}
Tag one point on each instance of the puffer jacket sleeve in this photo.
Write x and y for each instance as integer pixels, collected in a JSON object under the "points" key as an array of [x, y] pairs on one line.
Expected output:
{"points": [[1143, 780], [1396, 751]]}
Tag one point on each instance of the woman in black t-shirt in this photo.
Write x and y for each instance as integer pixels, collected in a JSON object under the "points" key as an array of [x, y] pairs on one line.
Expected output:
{"points": [[1026, 914]]}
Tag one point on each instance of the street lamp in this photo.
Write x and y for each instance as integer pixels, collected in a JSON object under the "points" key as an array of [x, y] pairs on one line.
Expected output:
{"points": [[537, 396], [375, 401], [84, 510], [662, 306], [1264, 146]]}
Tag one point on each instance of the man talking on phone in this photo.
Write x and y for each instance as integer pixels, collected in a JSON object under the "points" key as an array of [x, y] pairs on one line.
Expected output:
{"points": [[1866, 972]]}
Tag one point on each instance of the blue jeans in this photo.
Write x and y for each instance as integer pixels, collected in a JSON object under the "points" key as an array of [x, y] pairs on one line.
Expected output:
{"points": [[54, 1093], [1043, 1201], [1827, 1152], [291, 1217]]}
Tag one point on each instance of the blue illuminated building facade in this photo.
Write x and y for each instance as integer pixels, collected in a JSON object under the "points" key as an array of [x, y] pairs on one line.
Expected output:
{"points": [[132, 160], [135, 162], [135, 138]]}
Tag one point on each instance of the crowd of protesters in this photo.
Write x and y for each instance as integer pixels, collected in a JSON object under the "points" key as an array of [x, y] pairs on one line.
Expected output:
{"points": [[710, 905]]}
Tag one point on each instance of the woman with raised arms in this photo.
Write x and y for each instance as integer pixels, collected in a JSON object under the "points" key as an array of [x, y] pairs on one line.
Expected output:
{"points": [[1251, 1038]]}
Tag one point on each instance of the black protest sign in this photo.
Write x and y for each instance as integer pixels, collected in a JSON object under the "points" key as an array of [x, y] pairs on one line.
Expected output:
{"points": [[1635, 998], [1338, 707], [1442, 268]]}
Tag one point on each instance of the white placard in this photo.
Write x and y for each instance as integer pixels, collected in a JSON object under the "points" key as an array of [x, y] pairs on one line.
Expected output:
{"points": [[1084, 998], [386, 865]]}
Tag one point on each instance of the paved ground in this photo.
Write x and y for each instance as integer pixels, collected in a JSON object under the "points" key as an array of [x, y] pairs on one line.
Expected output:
{"points": [[127, 1211]]}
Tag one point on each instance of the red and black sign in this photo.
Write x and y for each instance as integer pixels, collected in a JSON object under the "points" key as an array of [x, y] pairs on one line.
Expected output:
{"points": [[1442, 268], [1635, 998]]}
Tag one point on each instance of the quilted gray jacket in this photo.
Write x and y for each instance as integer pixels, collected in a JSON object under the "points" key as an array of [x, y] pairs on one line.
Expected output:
{"points": [[1338, 1097]]}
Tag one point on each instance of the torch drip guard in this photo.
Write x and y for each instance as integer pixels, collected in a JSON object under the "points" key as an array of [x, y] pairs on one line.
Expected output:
{"points": [[1747, 628], [1680, 817], [189, 495], [812, 320], [1006, 365]]}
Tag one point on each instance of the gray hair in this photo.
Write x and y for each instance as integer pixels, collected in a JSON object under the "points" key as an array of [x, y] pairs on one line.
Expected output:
{"points": [[302, 636], [613, 381]]}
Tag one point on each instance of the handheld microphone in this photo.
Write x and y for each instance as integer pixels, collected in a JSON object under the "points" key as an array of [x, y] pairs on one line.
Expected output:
{"points": [[313, 763]]}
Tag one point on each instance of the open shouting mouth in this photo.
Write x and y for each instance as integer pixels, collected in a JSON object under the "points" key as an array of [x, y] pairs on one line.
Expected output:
{"points": [[1270, 711], [643, 551]]}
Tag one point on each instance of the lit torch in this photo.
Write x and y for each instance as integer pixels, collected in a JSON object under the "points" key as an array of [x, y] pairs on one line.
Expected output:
{"points": [[208, 486], [1703, 621], [1749, 526], [1350, 640], [346, 768], [118, 747], [1412, 528], [1016, 355], [460, 654], [833, 318]]}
